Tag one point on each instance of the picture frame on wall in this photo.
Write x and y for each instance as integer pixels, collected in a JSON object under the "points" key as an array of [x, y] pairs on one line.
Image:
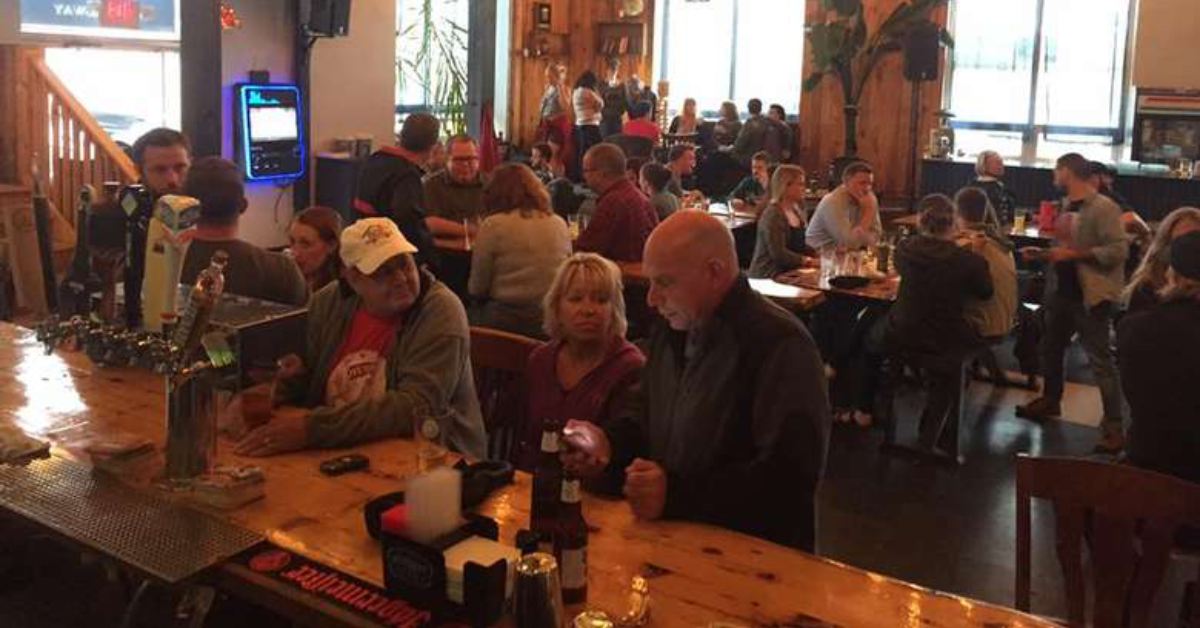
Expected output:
{"points": [[541, 16]]}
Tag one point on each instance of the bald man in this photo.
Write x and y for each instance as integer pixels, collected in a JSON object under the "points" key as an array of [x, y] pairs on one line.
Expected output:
{"points": [[731, 422], [624, 217]]}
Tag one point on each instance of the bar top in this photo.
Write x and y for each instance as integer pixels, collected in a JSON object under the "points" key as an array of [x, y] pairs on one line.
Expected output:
{"points": [[697, 573], [1158, 172]]}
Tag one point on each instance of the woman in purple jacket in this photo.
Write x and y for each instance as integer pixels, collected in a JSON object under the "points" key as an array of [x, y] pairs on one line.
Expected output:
{"points": [[587, 367]]}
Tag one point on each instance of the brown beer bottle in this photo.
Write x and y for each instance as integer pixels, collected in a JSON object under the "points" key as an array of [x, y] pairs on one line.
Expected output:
{"points": [[547, 484], [570, 544]]}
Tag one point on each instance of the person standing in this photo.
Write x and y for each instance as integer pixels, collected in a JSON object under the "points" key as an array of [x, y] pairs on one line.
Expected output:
{"points": [[390, 184], [588, 106], [623, 218], [783, 130], [1084, 281], [615, 102], [730, 425], [753, 136]]}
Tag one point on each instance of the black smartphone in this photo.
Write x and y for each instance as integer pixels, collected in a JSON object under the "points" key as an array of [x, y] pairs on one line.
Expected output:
{"points": [[345, 464]]}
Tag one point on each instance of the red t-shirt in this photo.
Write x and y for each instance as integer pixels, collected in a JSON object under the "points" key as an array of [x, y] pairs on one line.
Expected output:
{"points": [[360, 364]]}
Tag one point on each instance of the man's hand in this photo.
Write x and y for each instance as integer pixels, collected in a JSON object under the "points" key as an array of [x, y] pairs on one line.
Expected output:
{"points": [[646, 489], [287, 431], [588, 450]]}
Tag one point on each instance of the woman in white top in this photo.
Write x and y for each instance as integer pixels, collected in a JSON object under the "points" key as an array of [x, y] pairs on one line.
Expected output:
{"points": [[588, 106], [517, 251]]}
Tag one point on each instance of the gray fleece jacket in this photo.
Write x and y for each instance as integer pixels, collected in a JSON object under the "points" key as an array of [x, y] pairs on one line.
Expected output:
{"points": [[429, 366]]}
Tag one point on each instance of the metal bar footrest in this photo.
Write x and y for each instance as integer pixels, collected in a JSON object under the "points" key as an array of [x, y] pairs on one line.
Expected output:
{"points": [[166, 540]]}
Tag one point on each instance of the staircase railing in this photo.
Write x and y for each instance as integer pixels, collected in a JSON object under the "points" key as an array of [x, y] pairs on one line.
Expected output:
{"points": [[69, 146]]}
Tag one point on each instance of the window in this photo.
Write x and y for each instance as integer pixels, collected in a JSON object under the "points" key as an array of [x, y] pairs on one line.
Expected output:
{"points": [[99, 79], [719, 50], [1037, 78], [431, 60]]}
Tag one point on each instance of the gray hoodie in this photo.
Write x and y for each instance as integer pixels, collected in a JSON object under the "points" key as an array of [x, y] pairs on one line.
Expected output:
{"points": [[429, 366]]}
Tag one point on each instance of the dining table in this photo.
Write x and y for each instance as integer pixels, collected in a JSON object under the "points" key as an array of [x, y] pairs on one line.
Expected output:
{"points": [[312, 528]]}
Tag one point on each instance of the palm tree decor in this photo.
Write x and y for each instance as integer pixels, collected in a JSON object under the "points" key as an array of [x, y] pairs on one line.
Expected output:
{"points": [[432, 51], [842, 49]]}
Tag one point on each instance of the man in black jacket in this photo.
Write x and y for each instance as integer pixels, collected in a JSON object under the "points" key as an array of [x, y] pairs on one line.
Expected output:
{"points": [[731, 423], [390, 184]]}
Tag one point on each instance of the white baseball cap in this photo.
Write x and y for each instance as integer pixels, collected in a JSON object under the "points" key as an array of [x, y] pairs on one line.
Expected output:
{"points": [[370, 242]]}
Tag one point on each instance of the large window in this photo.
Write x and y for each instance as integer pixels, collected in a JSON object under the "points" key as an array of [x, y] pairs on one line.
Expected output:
{"points": [[99, 78], [1037, 78], [736, 50], [431, 60]]}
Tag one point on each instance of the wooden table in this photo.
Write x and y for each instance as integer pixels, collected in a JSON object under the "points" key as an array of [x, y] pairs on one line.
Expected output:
{"points": [[697, 573], [883, 289]]}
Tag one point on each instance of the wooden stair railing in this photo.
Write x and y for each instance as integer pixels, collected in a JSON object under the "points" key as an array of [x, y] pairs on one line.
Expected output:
{"points": [[70, 148]]}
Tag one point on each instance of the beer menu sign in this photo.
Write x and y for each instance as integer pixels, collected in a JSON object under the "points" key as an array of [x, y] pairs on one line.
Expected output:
{"points": [[107, 19]]}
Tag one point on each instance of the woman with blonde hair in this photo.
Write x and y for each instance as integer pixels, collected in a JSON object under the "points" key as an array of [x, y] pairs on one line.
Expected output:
{"points": [[1151, 275], [687, 122], [780, 246], [517, 250], [587, 367]]}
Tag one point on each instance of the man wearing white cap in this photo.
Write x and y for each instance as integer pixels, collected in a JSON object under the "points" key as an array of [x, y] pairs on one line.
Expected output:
{"points": [[384, 342]]}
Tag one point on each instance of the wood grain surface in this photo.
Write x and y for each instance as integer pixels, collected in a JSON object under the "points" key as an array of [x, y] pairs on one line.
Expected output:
{"points": [[698, 574]]}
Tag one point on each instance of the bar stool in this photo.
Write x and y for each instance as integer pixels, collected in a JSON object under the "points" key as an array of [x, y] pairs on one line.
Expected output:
{"points": [[938, 433]]}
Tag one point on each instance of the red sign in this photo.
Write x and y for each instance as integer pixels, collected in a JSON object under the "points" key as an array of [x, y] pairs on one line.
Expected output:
{"points": [[119, 13], [330, 585]]}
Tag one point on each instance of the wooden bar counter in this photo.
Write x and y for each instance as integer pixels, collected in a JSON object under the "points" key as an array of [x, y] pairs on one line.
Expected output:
{"points": [[697, 574]]}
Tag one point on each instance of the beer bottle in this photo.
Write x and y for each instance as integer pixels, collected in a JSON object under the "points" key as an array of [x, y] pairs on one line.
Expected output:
{"points": [[570, 544], [547, 483]]}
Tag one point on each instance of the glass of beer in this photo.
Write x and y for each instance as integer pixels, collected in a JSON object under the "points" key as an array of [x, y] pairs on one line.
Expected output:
{"points": [[429, 435], [1019, 222]]}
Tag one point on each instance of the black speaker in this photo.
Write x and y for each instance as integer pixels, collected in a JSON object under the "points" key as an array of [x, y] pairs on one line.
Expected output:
{"points": [[328, 18], [922, 52]]}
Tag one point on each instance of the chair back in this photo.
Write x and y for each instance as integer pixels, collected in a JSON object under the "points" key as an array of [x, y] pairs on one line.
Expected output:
{"points": [[498, 359], [1126, 516]]}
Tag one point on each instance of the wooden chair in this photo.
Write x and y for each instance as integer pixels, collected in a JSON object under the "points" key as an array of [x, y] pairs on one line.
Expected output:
{"points": [[498, 359], [1128, 518]]}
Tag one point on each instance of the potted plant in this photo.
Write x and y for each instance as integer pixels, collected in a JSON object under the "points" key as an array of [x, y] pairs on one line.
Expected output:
{"points": [[842, 49]]}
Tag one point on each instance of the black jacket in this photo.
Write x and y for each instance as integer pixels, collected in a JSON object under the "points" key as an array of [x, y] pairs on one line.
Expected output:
{"points": [[741, 428], [937, 278], [390, 186], [1160, 357]]}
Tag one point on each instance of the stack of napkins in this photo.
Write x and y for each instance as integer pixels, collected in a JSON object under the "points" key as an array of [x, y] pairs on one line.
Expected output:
{"points": [[483, 552]]}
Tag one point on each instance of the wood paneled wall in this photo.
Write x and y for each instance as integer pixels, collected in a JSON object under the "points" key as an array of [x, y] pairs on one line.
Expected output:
{"points": [[884, 121], [574, 26], [884, 132]]}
